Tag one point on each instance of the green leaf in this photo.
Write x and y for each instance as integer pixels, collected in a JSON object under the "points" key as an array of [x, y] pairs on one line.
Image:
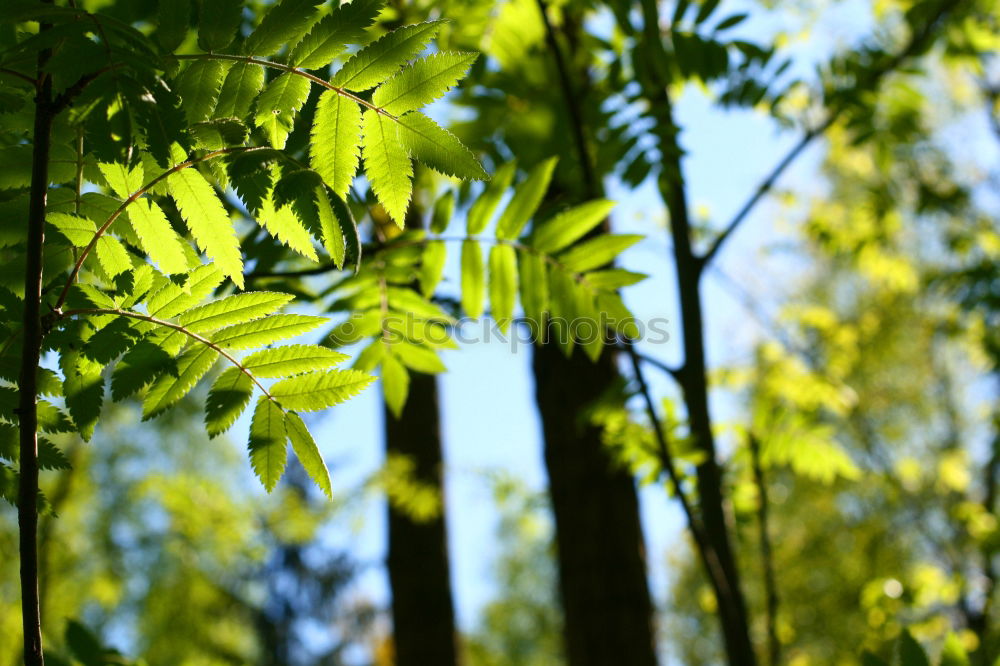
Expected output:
{"points": [[83, 387], [418, 357], [76, 229], [731, 21], [157, 236], [122, 180], [395, 383], [157, 112], [227, 399], [292, 360], [422, 82], [242, 85], [597, 252], [870, 659], [534, 289], [370, 356], [379, 60], [345, 25], [282, 224], [562, 307], [432, 266], [387, 164], [218, 23], [139, 367], [219, 132], [335, 141], [268, 446], [113, 256], [705, 10], [319, 390], [358, 326], [444, 208], [169, 300], [251, 175], [168, 389], [910, 652], [173, 23], [614, 278], [569, 226], [472, 278], [140, 282], [278, 104], [281, 25], [503, 284], [482, 209], [235, 309], [208, 221], [308, 453], [953, 653], [331, 224], [50, 457], [438, 148], [199, 87], [527, 197], [410, 302], [265, 331]]}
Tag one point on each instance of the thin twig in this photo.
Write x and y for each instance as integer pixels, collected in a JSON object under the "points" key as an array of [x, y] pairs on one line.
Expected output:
{"points": [[766, 186], [573, 107], [675, 373], [67, 96], [19, 75], [707, 554], [916, 42]]}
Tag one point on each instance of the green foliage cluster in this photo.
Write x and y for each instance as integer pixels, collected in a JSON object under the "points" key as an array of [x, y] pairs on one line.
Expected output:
{"points": [[566, 289], [171, 135]]}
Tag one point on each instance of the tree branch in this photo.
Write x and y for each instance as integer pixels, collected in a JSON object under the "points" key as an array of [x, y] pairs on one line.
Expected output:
{"points": [[707, 554], [19, 75], [916, 43], [573, 107]]}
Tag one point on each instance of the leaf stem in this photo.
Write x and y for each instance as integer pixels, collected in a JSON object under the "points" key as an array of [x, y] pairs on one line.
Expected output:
{"points": [[291, 70], [517, 245], [177, 327], [135, 195], [18, 75]]}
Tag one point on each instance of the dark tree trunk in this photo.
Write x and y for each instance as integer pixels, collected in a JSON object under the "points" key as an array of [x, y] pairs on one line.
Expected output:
{"points": [[422, 613], [602, 568]]}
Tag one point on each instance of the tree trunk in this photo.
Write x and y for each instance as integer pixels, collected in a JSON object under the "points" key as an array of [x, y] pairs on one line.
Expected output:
{"points": [[27, 409], [602, 568], [422, 613]]}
